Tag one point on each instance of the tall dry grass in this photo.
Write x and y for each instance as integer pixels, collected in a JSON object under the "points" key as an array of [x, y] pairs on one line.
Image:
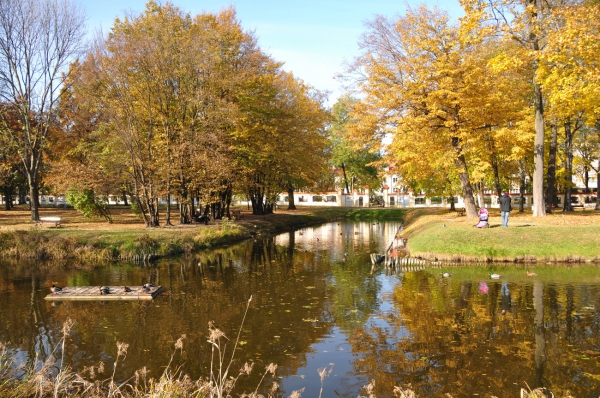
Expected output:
{"points": [[53, 378]]}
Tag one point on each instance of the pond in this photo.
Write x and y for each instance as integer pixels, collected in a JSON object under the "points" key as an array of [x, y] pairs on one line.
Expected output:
{"points": [[315, 307]]}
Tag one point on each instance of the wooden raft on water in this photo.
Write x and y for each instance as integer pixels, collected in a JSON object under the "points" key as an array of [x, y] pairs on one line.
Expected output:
{"points": [[92, 293]]}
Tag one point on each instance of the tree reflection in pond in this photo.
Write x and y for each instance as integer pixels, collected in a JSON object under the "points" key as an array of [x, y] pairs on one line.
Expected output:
{"points": [[314, 305]]}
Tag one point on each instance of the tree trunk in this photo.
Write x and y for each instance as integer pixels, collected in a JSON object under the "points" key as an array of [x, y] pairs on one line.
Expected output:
{"points": [[291, 202], [480, 199], [496, 174], [540, 334], [124, 197], [168, 215], [539, 204], [463, 176], [184, 209], [22, 194], [345, 178], [568, 206], [598, 169], [34, 197], [551, 190], [7, 202], [523, 186], [228, 198], [598, 188]]}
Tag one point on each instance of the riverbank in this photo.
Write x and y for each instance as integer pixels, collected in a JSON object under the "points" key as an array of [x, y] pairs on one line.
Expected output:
{"points": [[434, 234], [440, 235], [126, 238]]}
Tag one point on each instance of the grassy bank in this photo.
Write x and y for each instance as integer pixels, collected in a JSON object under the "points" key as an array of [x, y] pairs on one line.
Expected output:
{"points": [[441, 235], [434, 234], [127, 237]]}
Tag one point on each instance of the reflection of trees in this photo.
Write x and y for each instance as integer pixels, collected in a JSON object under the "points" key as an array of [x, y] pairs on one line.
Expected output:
{"points": [[441, 336], [290, 295], [354, 296], [540, 337], [444, 337]]}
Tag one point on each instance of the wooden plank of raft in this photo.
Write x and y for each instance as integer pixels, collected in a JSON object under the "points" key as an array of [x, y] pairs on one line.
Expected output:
{"points": [[92, 293]]}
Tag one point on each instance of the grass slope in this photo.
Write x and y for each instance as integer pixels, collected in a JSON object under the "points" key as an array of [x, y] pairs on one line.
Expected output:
{"points": [[438, 234]]}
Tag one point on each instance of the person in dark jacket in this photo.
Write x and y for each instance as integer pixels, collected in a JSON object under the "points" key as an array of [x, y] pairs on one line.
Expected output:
{"points": [[505, 208]]}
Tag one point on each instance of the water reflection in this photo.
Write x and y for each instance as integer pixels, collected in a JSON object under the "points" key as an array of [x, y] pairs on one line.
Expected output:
{"points": [[462, 335]]}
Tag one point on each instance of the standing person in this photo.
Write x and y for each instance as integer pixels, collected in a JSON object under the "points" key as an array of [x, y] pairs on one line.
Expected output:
{"points": [[505, 208]]}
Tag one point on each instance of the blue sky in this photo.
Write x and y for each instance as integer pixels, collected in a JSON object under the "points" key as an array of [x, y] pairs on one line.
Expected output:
{"points": [[313, 38]]}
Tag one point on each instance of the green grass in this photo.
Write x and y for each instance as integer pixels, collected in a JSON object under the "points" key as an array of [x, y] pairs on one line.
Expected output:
{"points": [[518, 243]]}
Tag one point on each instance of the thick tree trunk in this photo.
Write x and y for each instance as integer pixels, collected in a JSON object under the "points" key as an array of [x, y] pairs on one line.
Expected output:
{"points": [[551, 190], [463, 176], [568, 206], [539, 204], [7, 197], [34, 197], [257, 196], [291, 202]]}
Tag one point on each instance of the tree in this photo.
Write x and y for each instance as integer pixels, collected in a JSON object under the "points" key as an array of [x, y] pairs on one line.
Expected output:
{"points": [[529, 23], [38, 40], [359, 163], [280, 142], [436, 96], [10, 173], [569, 71]]}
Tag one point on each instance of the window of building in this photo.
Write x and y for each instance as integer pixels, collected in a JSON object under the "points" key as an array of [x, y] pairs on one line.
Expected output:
{"points": [[302, 199], [436, 200], [331, 198], [419, 201], [317, 198]]}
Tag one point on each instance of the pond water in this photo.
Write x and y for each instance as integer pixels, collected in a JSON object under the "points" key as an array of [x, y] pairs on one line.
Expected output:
{"points": [[467, 335]]}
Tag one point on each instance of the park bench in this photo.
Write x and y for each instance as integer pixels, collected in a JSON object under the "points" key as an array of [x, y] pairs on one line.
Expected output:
{"points": [[237, 214], [50, 220]]}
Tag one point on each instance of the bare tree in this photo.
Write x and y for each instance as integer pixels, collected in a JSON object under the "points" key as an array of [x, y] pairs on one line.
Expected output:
{"points": [[38, 40]]}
